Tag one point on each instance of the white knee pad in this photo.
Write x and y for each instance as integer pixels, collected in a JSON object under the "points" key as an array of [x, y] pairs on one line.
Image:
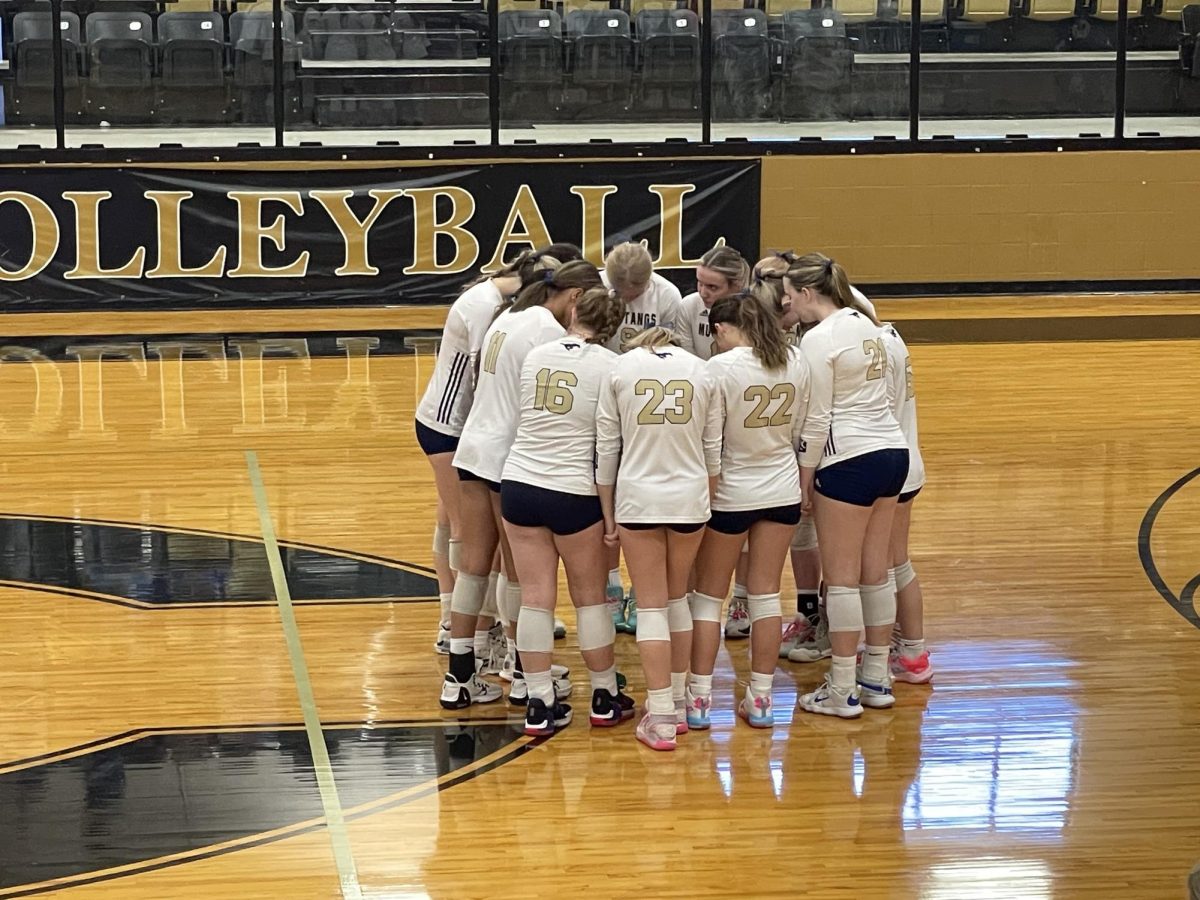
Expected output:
{"points": [[843, 609], [468, 594], [490, 608], [704, 607], [904, 575], [805, 537], [653, 625], [595, 627], [509, 601], [441, 540], [763, 606], [454, 553], [535, 630], [679, 616], [878, 604]]}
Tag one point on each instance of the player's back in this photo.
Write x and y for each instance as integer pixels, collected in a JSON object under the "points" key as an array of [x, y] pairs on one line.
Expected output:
{"points": [[902, 391]]}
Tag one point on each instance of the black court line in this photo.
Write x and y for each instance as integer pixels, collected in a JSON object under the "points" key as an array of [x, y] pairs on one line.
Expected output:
{"points": [[1183, 604]]}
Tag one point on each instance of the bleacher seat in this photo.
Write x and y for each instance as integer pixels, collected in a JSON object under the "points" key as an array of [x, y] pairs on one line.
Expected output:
{"points": [[741, 62], [192, 67], [669, 53], [33, 66], [982, 25], [1189, 44], [531, 48], [637, 7], [817, 64], [601, 50], [120, 50], [253, 53], [782, 7]]}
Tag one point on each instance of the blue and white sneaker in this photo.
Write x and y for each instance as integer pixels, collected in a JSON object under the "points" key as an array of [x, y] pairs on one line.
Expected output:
{"points": [[698, 710], [614, 597], [876, 696], [757, 711], [830, 700]]}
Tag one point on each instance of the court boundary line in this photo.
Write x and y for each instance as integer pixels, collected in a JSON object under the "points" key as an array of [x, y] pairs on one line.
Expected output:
{"points": [[1184, 603]]}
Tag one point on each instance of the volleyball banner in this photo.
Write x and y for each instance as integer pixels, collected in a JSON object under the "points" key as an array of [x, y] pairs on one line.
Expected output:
{"points": [[171, 238]]}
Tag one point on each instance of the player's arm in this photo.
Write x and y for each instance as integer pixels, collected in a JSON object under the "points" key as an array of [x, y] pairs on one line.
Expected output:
{"points": [[819, 352], [608, 455]]}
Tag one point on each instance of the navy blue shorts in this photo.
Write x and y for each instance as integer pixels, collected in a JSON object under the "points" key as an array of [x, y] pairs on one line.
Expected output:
{"points": [[909, 496], [680, 527], [864, 479], [740, 522], [528, 506], [434, 442], [464, 475]]}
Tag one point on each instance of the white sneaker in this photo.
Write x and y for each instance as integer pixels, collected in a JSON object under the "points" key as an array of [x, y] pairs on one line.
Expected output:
{"points": [[876, 696], [560, 629], [493, 661], [828, 700], [817, 647], [737, 622], [799, 631], [460, 695], [509, 664], [518, 694], [442, 644]]}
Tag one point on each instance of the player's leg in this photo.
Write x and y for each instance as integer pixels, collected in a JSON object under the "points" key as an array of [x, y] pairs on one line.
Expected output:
{"points": [[737, 619], [715, 564], [769, 545], [801, 633], [683, 543], [879, 606], [910, 660], [645, 552], [446, 540]]}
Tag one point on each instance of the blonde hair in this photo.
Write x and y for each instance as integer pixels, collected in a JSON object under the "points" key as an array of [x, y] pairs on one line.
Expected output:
{"points": [[628, 265], [652, 339], [757, 322], [601, 311], [552, 276], [729, 264], [826, 277]]}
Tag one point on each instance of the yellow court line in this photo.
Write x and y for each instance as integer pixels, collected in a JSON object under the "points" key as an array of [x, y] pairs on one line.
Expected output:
{"points": [[334, 818]]}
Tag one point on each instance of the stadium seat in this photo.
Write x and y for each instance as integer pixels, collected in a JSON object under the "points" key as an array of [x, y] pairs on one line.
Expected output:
{"points": [[637, 7], [531, 47], [192, 48], [1189, 45], [33, 66], [120, 49], [933, 24], [782, 7], [982, 25], [741, 62], [669, 54], [601, 50], [253, 52], [817, 64]]}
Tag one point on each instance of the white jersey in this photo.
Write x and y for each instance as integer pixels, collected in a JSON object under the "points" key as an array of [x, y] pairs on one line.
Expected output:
{"points": [[658, 305], [695, 334], [658, 437], [492, 423], [763, 412], [555, 447], [904, 403], [451, 388], [849, 413]]}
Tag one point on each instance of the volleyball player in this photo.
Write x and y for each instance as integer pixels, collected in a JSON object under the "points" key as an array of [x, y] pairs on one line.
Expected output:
{"points": [[551, 511], [447, 400], [650, 300], [760, 392], [538, 315], [856, 459], [909, 660], [658, 442]]}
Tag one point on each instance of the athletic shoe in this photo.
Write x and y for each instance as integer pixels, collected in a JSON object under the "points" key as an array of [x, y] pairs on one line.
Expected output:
{"points": [[829, 700], [799, 631], [621, 681], [442, 645], [629, 623], [876, 696], [518, 694], [912, 670], [757, 711], [509, 665], [737, 622], [698, 707], [543, 722], [609, 710], [657, 732], [493, 662], [614, 596], [818, 647], [560, 629], [461, 694], [681, 721]]}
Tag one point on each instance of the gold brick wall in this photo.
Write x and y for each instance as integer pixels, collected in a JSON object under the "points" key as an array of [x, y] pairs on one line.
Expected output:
{"points": [[990, 217]]}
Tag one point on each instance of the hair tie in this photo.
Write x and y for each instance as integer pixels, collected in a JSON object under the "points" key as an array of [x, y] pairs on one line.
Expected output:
{"points": [[828, 266], [758, 277], [548, 276]]}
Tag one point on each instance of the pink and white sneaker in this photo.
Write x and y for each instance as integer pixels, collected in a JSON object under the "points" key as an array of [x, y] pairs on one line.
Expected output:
{"points": [[914, 670], [657, 732], [757, 711], [799, 631]]}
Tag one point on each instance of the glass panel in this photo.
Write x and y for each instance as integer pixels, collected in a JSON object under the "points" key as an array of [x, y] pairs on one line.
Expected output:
{"points": [[1031, 68], [580, 70], [1162, 83], [408, 71], [29, 64], [796, 70]]}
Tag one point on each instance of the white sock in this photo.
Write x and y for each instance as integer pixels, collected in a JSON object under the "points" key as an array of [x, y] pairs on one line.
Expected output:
{"points": [[482, 640], [841, 671], [614, 578], [912, 649], [678, 684], [605, 680], [660, 702], [701, 685], [760, 684], [461, 645], [510, 644], [875, 665], [739, 592], [444, 603], [541, 686]]}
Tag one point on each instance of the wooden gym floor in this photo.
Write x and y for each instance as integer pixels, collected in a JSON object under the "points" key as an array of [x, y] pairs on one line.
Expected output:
{"points": [[157, 739]]}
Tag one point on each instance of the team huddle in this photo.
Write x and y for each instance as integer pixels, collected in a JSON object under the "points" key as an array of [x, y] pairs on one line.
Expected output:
{"points": [[583, 415]]}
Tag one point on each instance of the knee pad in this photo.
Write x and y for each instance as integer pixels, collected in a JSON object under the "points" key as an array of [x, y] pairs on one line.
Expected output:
{"points": [[454, 554], [805, 537], [490, 607], [679, 616], [441, 540], [843, 609], [704, 607], [653, 625], [535, 630], [763, 606], [509, 601], [878, 604], [595, 627], [468, 594], [904, 575]]}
